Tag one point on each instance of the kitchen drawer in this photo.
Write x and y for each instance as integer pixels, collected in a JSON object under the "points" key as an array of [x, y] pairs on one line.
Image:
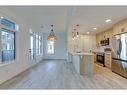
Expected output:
{"points": [[108, 60], [108, 65]]}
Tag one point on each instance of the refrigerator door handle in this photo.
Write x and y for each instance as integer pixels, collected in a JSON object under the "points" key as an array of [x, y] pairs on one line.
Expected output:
{"points": [[120, 47]]}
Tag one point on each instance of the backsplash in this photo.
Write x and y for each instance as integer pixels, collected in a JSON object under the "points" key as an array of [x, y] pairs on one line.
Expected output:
{"points": [[102, 48]]}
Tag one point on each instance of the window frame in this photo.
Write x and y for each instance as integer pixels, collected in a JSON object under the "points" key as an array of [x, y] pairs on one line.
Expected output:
{"points": [[13, 26], [40, 44], [33, 48], [11, 30], [53, 45], [36, 47]]}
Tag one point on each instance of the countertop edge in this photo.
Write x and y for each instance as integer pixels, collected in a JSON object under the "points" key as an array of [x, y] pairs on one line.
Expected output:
{"points": [[74, 53]]}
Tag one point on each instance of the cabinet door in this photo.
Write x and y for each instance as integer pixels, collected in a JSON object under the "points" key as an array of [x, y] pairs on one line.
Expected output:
{"points": [[98, 39], [95, 57], [116, 29], [108, 60], [123, 26], [117, 67], [86, 44]]}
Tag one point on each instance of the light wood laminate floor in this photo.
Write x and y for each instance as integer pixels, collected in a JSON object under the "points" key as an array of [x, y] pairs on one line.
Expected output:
{"points": [[58, 74]]}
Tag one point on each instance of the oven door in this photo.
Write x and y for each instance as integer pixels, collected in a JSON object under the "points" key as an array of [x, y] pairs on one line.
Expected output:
{"points": [[100, 59]]}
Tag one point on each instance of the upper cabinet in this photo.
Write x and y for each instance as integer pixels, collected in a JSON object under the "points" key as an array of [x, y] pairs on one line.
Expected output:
{"points": [[120, 27], [104, 38], [116, 29]]}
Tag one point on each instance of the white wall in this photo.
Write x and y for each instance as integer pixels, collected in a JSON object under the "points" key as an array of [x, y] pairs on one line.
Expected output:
{"points": [[22, 61], [60, 47]]}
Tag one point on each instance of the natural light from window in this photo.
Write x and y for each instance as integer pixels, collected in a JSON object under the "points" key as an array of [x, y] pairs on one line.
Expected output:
{"points": [[50, 47]]}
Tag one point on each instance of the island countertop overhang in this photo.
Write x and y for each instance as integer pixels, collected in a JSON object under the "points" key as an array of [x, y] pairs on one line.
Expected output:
{"points": [[82, 53]]}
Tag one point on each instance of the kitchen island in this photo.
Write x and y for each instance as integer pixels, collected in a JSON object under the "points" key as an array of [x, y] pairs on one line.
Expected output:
{"points": [[83, 62]]}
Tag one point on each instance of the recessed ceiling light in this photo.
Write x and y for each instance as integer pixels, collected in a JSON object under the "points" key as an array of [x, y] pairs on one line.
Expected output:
{"points": [[108, 20], [95, 28], [87, 32]]}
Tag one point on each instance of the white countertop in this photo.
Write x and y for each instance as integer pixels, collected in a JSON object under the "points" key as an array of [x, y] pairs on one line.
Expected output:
{"points": [[82, 53], [107, 52]]}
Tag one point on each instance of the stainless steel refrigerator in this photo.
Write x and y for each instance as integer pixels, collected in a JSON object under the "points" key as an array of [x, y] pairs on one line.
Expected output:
{"points": [[119, 54]]}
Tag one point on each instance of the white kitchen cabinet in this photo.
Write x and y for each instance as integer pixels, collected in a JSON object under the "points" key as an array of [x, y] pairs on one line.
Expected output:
{"points": [[120, 27], [95, 57], [88, 43], [116, 29], [108, 59], [83, 43]]}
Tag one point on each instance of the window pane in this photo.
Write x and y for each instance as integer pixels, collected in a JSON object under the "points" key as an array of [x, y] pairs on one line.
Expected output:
{"points": [[50, 46], [31, 47], [37, 44], [8, 45], [8, 23], [40, 44]]}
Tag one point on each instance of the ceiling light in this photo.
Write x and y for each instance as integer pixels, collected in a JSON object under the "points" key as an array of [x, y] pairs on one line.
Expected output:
{"points": [[77, 33], [95, 28], [87, 32], [74, 34], [108, 20], [52, 36]]}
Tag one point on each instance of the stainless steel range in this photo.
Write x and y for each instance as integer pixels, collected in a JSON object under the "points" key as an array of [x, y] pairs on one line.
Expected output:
{"points": [[100, 58]]}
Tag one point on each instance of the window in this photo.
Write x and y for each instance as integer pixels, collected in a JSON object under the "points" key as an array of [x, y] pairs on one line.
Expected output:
{"points": [[32, 49], [8, 23], [7, 45], [40, 44], [35, 45], [50, 46], [7, 40]]}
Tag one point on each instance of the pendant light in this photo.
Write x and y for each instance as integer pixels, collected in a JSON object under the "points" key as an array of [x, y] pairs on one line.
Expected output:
{"points": [[74, 34], [52, 36], [77, 33]]}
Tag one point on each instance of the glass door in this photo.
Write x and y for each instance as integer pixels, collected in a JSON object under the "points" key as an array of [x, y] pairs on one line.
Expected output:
{"points": [[32, 47]]}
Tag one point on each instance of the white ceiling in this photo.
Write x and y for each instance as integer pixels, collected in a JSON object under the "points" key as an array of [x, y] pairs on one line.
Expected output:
{"points": [[94, 16], [66, 17], [45, 16]]}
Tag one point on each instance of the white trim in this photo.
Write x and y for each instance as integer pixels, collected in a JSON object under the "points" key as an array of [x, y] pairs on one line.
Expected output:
{"points": [[7, 63], [5, 27]]}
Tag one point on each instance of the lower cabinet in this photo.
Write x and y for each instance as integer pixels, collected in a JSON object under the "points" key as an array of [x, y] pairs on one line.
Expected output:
{"points": [[108, 60], [95, 57]]}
